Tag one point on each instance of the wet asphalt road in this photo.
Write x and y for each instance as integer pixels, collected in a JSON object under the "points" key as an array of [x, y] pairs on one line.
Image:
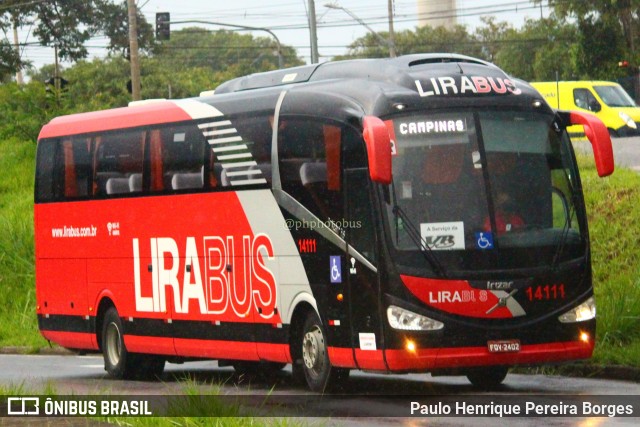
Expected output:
{"points": [[367, 399]]}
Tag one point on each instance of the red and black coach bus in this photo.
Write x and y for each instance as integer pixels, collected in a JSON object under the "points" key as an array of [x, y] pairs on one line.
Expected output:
{"points": [[416, 214]]}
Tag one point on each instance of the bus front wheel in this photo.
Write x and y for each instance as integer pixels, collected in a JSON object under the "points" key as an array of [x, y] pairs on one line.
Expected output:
{"points": [[320, 376], [118, 362]]}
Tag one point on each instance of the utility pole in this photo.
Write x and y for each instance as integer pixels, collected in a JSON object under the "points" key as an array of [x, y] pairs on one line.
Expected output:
{"points": [[392, 41], [56, 71], [16, 43], [133, 50], [313, 32]]}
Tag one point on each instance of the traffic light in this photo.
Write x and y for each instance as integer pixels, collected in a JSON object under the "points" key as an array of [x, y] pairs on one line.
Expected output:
{"points": [[163, 31], [61, 83]]}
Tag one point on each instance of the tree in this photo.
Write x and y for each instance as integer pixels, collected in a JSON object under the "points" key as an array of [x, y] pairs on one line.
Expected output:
{"points": [[114, 23], [421, 40], [222, 49], [195, 60], [608, 34], [625, 13], [602, 47], [541, 50], [9, 60], [24, 109], [68, 24], [492, 36]]}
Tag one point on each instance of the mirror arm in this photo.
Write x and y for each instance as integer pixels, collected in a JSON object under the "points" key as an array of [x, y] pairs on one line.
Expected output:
{"points": [[597, 134], [378, 142]]}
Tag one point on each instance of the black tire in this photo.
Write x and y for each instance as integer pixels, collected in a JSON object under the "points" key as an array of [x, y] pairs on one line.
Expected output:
{"points": [[488, 378], [320, 376], [258, 369], [118, 362]]}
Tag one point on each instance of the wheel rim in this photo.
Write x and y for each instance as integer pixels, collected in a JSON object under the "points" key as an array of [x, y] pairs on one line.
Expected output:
{"points": [[313, 350], [114, 344]]}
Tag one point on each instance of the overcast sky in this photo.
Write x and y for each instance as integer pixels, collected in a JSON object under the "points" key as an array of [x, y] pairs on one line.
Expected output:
{"points": [[288, 20]]}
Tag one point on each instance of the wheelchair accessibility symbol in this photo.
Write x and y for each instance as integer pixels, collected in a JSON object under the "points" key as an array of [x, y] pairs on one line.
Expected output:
{"points": [[484, 240], [335, 266]]}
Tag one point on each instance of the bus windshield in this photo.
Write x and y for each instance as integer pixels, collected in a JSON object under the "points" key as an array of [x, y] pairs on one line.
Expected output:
{"points": [[484, 190]]}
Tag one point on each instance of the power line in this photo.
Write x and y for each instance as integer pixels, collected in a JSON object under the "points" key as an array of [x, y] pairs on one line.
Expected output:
{"points": [[295, 17], [21, 5]]}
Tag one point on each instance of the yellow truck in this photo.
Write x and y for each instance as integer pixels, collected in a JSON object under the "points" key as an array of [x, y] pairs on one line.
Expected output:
{"points": [[607, 100]]}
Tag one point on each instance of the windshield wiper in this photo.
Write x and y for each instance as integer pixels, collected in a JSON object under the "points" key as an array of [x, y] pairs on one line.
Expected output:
{"points": [[414, 235], [565, 234]]}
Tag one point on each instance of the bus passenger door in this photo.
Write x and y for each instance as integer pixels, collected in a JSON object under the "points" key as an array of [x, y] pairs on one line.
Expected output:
{"points": [[364, 287]]}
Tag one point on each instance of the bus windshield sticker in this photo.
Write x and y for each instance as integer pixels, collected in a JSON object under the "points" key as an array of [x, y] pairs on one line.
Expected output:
{"points": [[475, 157], [335, 268], [441, 236], [367, 341], [484, 240], [407, 190]]}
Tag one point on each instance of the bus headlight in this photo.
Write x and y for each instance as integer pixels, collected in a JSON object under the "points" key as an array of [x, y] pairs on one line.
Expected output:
{"points": [[585, 311], [406, 320], [628, 120]]}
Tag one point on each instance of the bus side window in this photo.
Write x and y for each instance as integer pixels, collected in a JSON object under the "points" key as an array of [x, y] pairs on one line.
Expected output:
{"points": [[48, 179], [310, 166], [64, 169], [77, 167], [118, 160], [361, 230], [182, 158], [251, 151]]}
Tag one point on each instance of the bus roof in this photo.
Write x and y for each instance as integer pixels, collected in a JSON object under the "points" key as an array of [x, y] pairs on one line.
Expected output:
{"points": [[382, 70], [117, 118]]}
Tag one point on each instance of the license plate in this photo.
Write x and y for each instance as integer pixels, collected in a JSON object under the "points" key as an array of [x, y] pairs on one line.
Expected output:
{"points": [[503, 346]]}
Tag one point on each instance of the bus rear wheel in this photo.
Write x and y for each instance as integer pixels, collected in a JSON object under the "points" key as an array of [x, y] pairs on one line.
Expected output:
{"points": [[320, 376], [118, 362], [487, 378]]}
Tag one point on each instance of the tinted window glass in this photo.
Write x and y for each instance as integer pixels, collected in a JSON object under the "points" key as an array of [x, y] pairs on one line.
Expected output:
{"points": [[583, 98], [119, 162], [176, 157], [64, 169], [45, 180], [310, 165], [241, 150]]}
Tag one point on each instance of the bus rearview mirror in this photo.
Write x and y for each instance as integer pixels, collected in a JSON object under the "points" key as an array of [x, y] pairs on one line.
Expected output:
{"points": [[378, 141], [598, 134]]}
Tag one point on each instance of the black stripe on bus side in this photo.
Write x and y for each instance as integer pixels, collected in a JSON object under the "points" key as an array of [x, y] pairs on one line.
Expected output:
{"points": [[187, 329], [66, 323], [203, 330]]}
